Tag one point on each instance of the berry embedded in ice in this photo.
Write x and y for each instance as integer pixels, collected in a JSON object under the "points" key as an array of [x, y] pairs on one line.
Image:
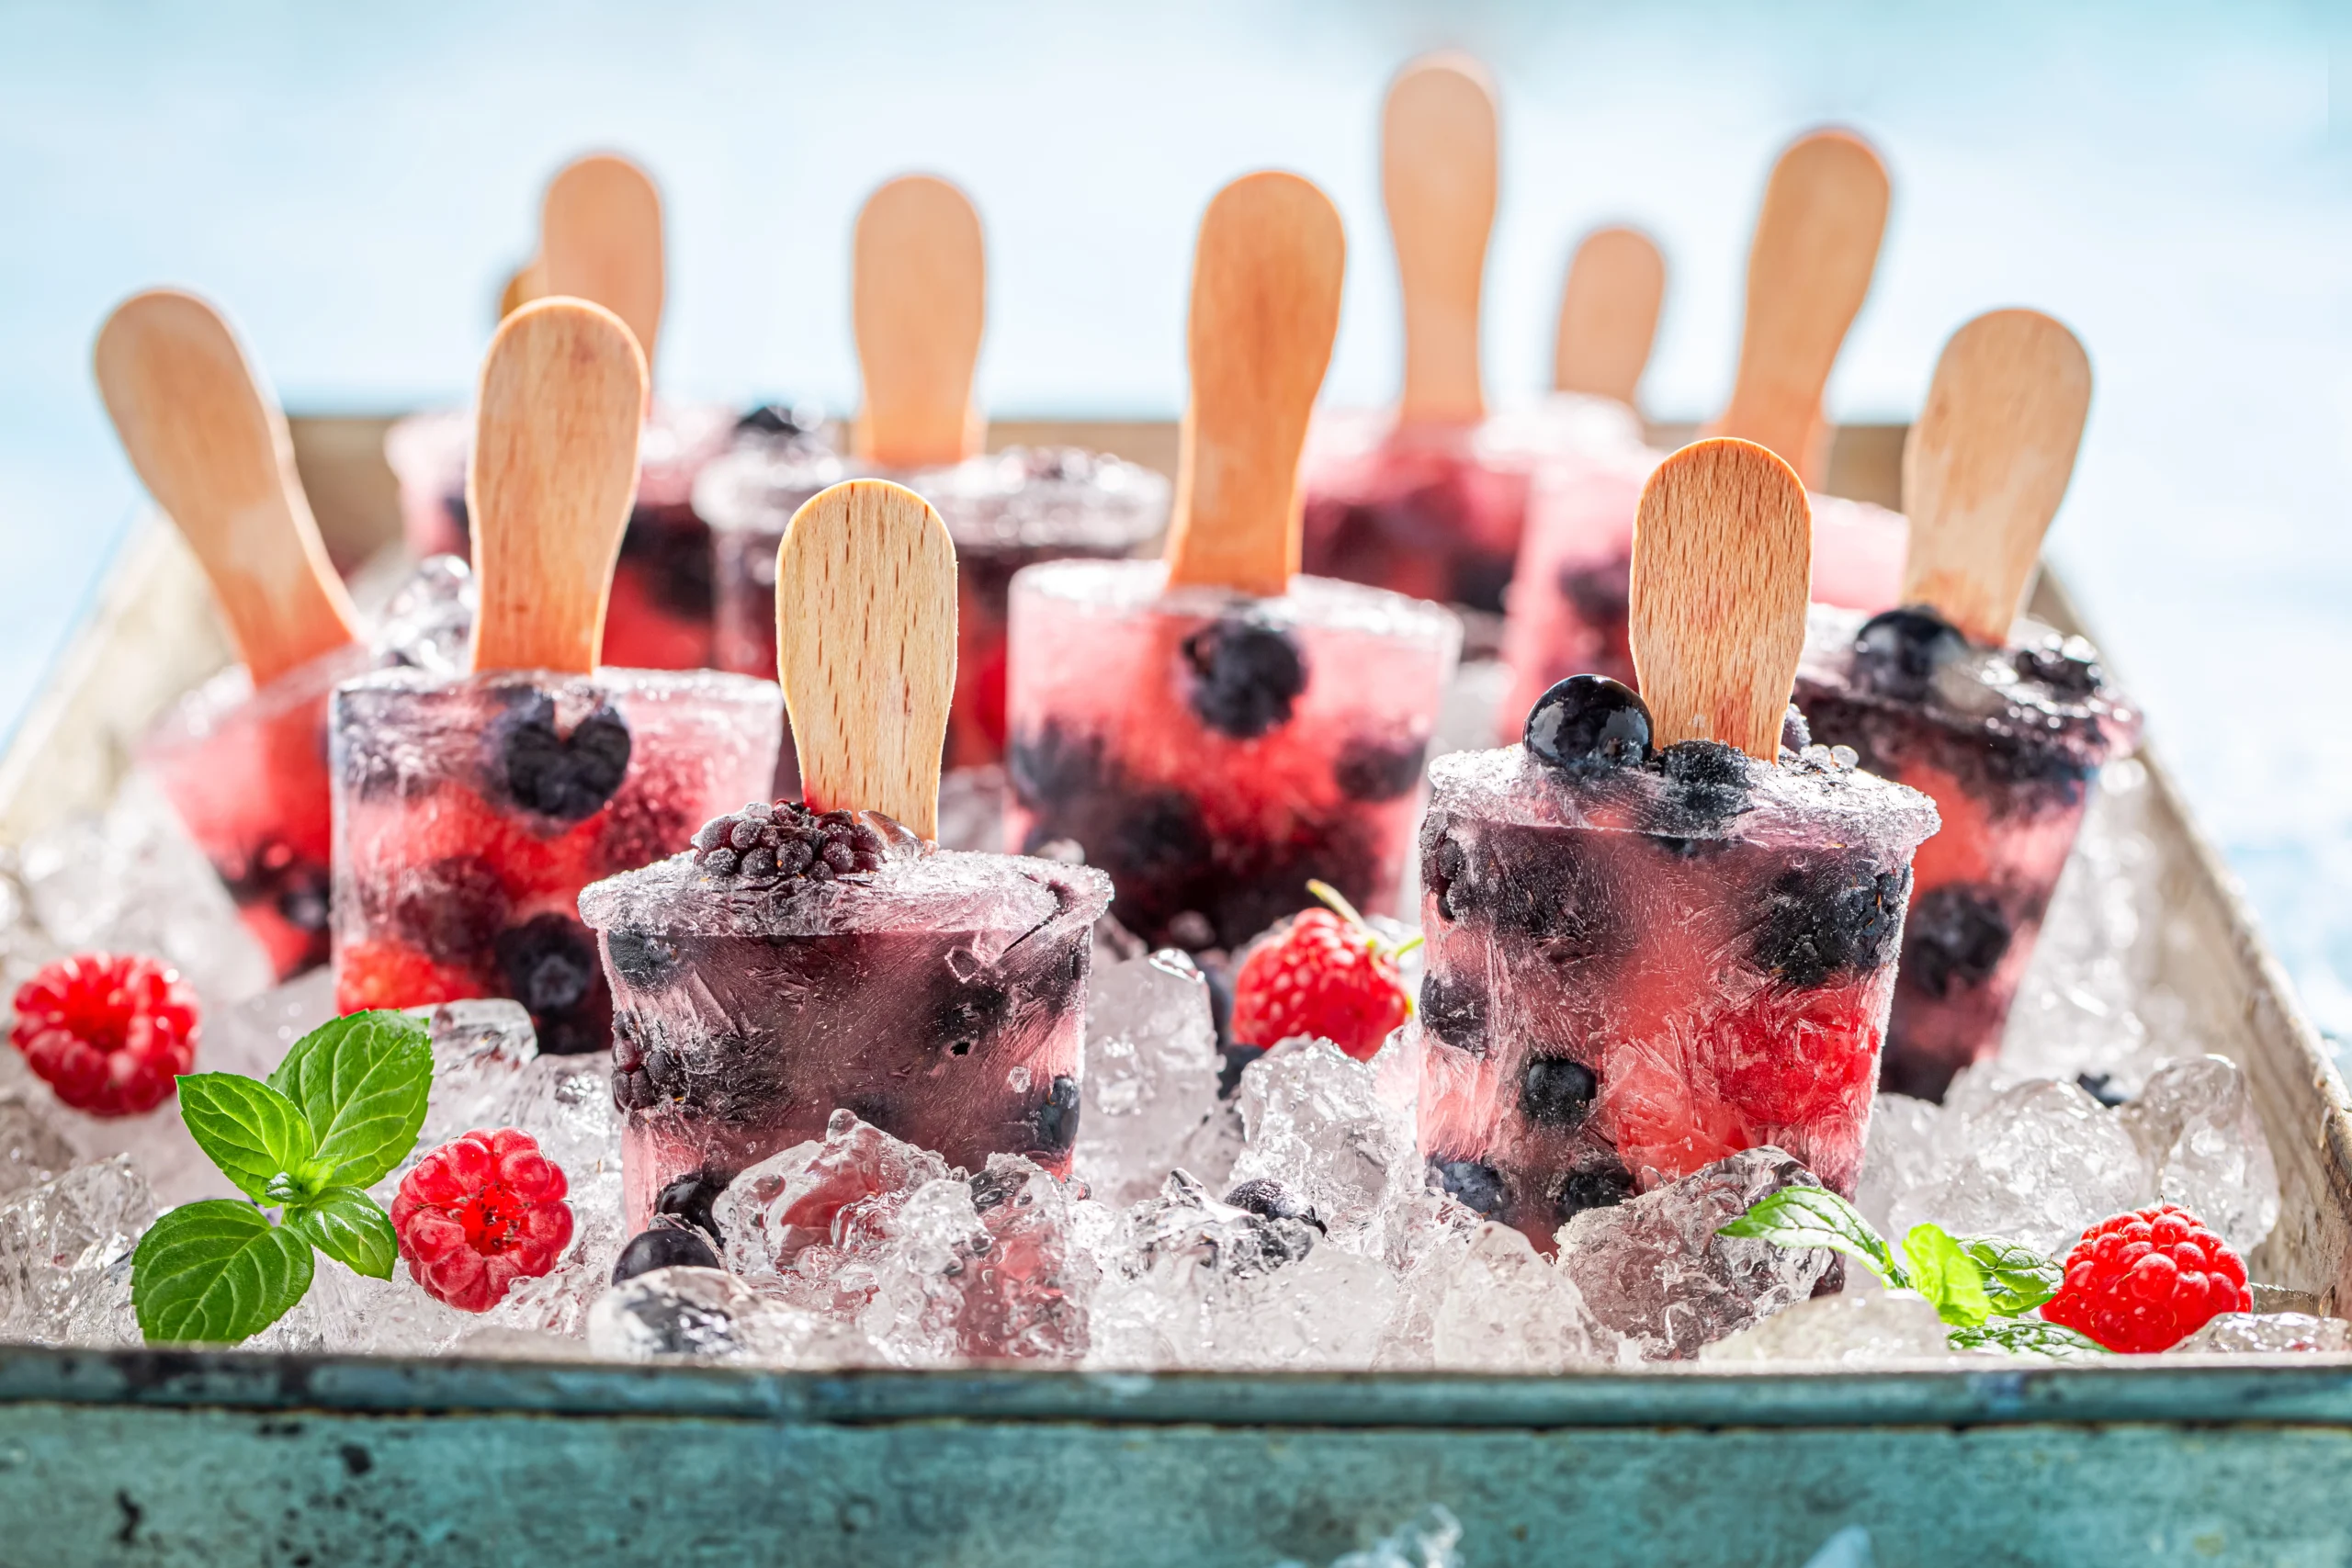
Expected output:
{"points": [[1245, 675], [479, 1212], [768, 843], [451, 908], [1057, 1118], [1556, 1092], [550, 965], [664, 1246], [783, 419], [647, 960], [2069, 667], [690, 1198], [1455, 1011], [1370, 769], [1270, 1198], [567, 777], [2144, 1281], [1706, 786], [1328, 976], [1589, 722], [1955, 939], [1590, 1187], [108, 1032], [1475, 1186], [1897, 653], [1827, 916]]}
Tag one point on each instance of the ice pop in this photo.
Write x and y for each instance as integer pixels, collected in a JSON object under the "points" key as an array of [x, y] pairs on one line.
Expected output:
{"points": [[919, 304], [600, 239], [805, 958], [243, 760], [1655, 937], [1816, 246], [470, 811], [1213, 731], [2003, 721]]}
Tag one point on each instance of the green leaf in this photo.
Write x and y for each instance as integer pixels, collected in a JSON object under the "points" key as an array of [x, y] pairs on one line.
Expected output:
{"points": [[2016, 1279], [362, 1082], [1946, 1276], [350, 1228], [217, 1272], [2026, 1337], [1814, 1216], [251, 1132]]}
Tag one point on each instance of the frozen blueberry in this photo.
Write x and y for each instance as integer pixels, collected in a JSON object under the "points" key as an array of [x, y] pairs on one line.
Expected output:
{"points": [[452, 908], [689, 1198], [1591, 1187], [1056, 1119], [1245, 675], [1795, 733], [1557, 1092], [1053, 767], [1455, 1012], [1829, 917], [1473, 1184], [1589, 722], [1600, 594], [1370, 769], [2101, 1088], [782, 419], [1896, 652], [550, 965], [647, 960], [1955, 940], [1270, 1199], [567, 777], [2070, 668], [664, 1246], [670, 547]]}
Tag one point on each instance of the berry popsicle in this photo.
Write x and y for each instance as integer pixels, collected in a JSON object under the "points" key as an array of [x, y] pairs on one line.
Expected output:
{"points": [[1428, 499], [243, 760], [802, 959], [1655, 937], [600, 239], [470, 811], [1214, 731], [2004, 722], [1809, 268], [919, 303]]}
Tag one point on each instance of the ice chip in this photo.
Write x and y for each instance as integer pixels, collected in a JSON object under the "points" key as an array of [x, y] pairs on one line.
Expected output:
{"points": [[934, 1240], [2036, 1163], [2194, 1122], [801, 1216], [1510, 1309], [254, 1036], [1151, 1074], [1901, 1157], [706, 1314], [479, 1048], [1884, 1325], [2249, 1333], [58, 1239], [1026, 1297], [1336, 1131], [31, 1149]]}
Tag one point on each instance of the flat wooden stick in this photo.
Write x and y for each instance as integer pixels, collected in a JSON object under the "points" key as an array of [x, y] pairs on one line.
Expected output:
{"points": [[525, 284], [1608, 315], [866, 648], [919, 302], [209, 442], [600, 239], [1722, 555], [553, 474], [1266, 273], [1437, 176], [1987, 464], [1817, 244]]}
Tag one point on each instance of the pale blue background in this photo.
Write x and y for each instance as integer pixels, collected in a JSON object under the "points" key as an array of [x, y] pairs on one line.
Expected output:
{"points": [[2168, 178]]}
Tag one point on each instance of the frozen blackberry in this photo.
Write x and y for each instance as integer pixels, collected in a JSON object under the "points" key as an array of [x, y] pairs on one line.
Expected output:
{"points": [[1829, 917], [1602, 593], [647, 960], [550, 965], [1052, 767], [1475, 1186], [670, 546], [1955, 940], [1706, 786], [1245, 675], [567, 777], [1556, 1092], [1370, 769], [453, 908], [966, 1014], [1591, 1187], [767, 843], [664, 1246], [1896, 653], [1588, 722], [2069, 668]]}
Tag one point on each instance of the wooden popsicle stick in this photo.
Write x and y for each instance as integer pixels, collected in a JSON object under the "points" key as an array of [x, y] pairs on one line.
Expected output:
{"points": [[554, 472], [1266, 273], [211, 446], [1608, 315], [1722, 555], [1437, 178], [866, 648], [1987, 464], [525, 284], [600, 240], [919, 302], [1817, 244]]}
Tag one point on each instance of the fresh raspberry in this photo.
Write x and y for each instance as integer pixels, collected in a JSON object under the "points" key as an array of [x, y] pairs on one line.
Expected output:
{"points": [[394, 975], [1327, 975], [479, 1212], [109, 1031], [1793, 1057], [2145, 1281]]}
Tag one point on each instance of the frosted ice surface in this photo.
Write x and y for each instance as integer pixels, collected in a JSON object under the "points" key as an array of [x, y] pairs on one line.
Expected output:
{"points": [[61, 1240], [1338, 1132], [254, 1036], [1885, 1325], [813, 1217], [31, 1149], [1151, 1074], [480, 1049], [427, 623], [1901, 1157], [708, 1314], [2195, 1123], [1508, 1309], [2243, 1333], [2034, 1162], [1027, 1289], [1652, 1270]]}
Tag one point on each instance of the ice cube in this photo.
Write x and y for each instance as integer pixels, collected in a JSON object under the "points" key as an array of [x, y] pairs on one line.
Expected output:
{"points": [[428, 623], [1510, 1309], [1652, 1270], [812, 1218], [254, 1036], [2245, 1332], [2036, 1163], [1026, 1296], [682, 1313], [932, 1243], [1338, 1132], [559, 1302], [1884, 1325], [31, 1149], [479, 1047], [58, 1239], [1901, 1156], [2195, 1123], [1151, 1074]]}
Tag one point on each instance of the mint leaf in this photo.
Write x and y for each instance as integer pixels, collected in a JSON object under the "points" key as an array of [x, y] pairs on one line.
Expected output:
{"points": [[251, 1132], [361, 1081], [1946, 1276], [1814, 1216], [2027, 1336], [2016, 1279], [215, 1271], [350, 1228]]}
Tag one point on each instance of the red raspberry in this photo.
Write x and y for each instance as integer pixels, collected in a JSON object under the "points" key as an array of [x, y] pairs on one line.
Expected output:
{"points": [[479, 1212], [394, 975], [1793, 1057], [1327, 975], [2146, 1281], [108, 1030]]}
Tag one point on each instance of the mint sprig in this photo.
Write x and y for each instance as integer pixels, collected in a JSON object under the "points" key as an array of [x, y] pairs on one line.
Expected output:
{"points": [[341, 1111], [1982, 1287]]}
